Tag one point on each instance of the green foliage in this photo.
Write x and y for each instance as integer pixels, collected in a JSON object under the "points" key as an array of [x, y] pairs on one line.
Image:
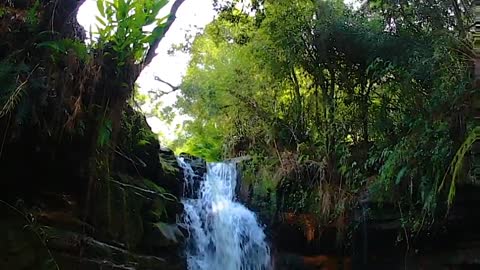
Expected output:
{"points": [[371, 98], [12, 90], [200, 140], [456, 165], [122, 23], [3, 11], [31, 17], [64, 46], [415, 164], [137, 132], [104, 133], [431, 16], [258, 177]]}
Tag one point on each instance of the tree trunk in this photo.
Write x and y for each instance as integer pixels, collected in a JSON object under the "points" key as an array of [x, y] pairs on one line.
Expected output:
{"points": [[476, 97]]}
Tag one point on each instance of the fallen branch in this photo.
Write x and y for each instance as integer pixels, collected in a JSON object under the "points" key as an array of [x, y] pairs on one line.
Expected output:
{"points": [[165, 196]]}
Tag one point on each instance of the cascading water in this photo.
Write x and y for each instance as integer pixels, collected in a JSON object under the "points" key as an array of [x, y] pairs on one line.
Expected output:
{"points": [[224, 235]]}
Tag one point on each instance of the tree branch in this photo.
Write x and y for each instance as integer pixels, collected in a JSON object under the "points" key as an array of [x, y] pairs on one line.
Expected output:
{"points": [[174, 88], [458, 15], [151, 51], [160, 93]]}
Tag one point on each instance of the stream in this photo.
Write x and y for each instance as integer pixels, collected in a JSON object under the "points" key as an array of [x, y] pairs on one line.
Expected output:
{"points": [[223, 234]]}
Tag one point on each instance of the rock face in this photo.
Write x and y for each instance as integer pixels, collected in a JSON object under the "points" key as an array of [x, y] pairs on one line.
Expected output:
{"points": [[85, 184], [127, 221], [371, 236]]}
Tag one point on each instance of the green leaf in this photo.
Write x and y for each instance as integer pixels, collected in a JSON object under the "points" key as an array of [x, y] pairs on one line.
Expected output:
{"points": [[104, 133], [100, 20], [400, 175], [156, 33], [101, 7], [456, 164], [143, 143], [53, 44], [157, 7]]}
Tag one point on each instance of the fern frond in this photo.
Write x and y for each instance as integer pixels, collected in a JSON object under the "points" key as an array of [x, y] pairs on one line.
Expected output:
{"points": [[13, 100], [15, 97], [457, 163]]}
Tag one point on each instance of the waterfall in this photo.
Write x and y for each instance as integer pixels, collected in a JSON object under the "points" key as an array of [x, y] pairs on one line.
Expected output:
{"points": [[223, 234]]}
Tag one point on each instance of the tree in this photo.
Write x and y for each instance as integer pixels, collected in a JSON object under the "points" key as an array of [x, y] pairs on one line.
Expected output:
{"points": [[313, 85]]}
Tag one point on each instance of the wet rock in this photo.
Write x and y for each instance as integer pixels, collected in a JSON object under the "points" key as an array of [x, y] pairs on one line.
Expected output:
{"points": [[77, 263], [96, 254], [160, 235], [243, 189], [199, 167]]}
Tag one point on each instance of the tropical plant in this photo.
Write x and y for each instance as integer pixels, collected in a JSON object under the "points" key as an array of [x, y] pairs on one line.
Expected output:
{"points": [[123, 24], [315, 82]]}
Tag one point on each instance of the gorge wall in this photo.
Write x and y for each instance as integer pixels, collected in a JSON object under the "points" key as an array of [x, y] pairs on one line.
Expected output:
{"points": [[128, 221], [85, 183]]}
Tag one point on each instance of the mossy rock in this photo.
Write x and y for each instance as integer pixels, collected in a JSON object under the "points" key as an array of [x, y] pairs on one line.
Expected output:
{"points": [[139, 145], [133, 225], [142, 155], [117, 213]]}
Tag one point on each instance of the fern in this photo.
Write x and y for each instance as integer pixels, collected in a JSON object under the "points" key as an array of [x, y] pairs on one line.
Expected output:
{"points": [[31, 16], [14, 98], [457, 163]]}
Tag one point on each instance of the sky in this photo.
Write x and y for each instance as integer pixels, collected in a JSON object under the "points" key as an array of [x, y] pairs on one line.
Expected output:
{"points": [[170, 68]]}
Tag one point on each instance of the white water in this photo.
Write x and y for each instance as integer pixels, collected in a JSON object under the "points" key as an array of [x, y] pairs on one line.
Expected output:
{"points": [[224, 235]]}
